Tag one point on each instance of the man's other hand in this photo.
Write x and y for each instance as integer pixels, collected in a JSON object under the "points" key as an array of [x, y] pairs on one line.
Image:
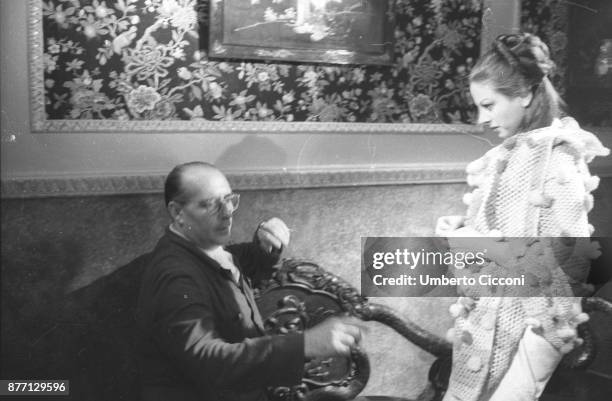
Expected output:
{"points": [[333, 337], [273, 235]]}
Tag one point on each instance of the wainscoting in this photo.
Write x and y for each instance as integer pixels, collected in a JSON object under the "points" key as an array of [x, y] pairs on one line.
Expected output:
{"points": [[66, 269]]}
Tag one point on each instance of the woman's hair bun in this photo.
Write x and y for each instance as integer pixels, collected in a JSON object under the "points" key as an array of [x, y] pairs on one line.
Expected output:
{"points": [[541, 54], [527, 53]]}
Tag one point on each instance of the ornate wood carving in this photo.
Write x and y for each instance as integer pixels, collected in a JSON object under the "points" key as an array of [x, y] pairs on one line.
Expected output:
{"points": [[299, 296], [581, 357], [302, 294]]}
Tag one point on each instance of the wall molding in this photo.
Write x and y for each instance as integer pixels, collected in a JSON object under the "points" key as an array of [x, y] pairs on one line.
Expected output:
{"points": [[148, 183], [334, 176]]}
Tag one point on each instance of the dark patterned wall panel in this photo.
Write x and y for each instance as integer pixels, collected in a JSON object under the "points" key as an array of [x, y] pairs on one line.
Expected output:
{"points": [[147, 60]]}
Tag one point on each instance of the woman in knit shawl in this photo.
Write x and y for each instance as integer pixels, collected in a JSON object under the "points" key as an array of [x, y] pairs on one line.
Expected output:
{"points": [[536, 186]]}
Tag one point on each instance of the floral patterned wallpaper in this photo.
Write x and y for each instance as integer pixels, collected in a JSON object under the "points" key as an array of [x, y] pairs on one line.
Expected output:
{"points": [[147, 60], [548, 19]]}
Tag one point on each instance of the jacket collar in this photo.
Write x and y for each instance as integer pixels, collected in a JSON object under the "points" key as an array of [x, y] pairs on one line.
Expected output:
{"points": [[176, 239]]}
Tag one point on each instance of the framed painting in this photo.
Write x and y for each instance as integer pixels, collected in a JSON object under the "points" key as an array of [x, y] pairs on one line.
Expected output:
{"points": [[327, 31]]}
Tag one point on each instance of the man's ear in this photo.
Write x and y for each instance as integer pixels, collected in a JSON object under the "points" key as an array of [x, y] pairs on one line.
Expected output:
{"points": [[174, 208], [527, 99]]}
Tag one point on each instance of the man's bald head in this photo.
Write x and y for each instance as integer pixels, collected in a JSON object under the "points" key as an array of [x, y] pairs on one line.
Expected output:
{"points": [[175, 188]]}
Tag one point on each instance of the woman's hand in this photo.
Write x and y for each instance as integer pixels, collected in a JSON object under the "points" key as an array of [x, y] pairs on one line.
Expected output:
{"points": [[447, 224]]}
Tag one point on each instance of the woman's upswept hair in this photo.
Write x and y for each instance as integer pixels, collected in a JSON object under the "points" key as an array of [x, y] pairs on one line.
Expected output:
{"points": [[516, 65]]}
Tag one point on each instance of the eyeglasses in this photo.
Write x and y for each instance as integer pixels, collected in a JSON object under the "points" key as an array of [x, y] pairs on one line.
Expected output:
{"points": [[214, 205]]}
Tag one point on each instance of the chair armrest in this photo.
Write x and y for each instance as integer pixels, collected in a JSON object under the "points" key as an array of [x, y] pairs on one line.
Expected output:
{"points": [[301, 294]]}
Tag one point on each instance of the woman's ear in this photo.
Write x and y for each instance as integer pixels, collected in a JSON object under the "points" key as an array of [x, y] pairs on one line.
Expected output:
{"points": [[527, 99]]}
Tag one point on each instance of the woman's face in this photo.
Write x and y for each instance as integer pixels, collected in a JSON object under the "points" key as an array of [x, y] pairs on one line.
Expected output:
{"points": [[501, 113]]}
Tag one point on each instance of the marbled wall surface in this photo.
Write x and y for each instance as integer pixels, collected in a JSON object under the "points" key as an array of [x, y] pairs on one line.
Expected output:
{"points": [[60, 276]]}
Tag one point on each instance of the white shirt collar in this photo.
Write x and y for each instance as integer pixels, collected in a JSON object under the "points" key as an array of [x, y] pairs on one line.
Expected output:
{"points": [[218, 254]]}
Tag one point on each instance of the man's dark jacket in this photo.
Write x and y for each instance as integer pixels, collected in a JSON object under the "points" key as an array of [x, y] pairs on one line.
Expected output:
{"points": [[201, 333]]}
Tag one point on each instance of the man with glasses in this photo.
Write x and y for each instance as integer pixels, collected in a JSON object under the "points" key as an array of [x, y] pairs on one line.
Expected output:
{"points": [[202, 337]]}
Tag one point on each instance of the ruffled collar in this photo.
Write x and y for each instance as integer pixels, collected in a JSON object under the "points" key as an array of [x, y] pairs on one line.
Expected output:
{"points": [[565, 130]]}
